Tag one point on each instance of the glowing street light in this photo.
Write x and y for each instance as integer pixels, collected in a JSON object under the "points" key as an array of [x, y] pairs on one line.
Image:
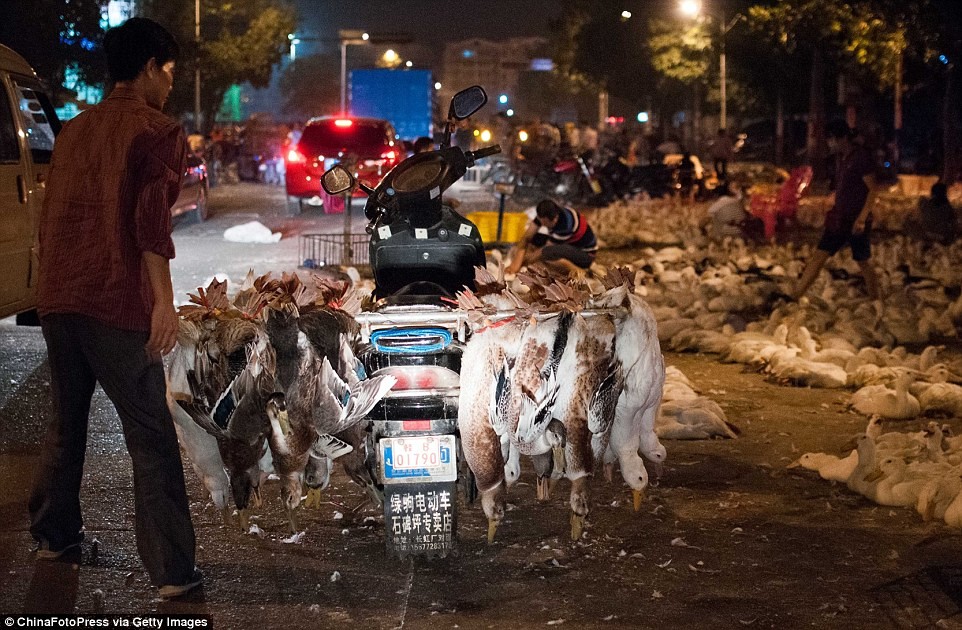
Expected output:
{"points": [[390, 55], [437, 85], [693, 8], [503, 99], [625, 15], [408, 64]]}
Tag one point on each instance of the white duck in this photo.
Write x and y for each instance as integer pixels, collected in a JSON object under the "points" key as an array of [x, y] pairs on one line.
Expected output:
{"points": [[481, 363], [897, 404], [829, 467], [633, 431], [895, 484], [696, 419], [942, 398]]}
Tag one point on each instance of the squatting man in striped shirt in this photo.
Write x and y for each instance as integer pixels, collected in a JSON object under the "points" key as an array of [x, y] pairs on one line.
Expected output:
{"points": [[558, 237]]}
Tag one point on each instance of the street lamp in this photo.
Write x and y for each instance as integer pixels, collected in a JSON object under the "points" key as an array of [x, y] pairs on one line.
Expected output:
{"points": [[692, 8], [348, 37], [197, 65]]}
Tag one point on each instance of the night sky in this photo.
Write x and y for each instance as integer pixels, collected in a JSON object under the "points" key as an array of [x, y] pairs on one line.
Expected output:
{"points": [[429, 22]]}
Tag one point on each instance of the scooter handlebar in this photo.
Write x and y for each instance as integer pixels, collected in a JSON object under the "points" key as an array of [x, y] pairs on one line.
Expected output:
{"points": [[482, 153]]}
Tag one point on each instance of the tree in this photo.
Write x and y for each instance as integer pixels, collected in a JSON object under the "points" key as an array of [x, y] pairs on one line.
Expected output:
{"points": [[55, 34], [682, 52], [240, 42], [310, 85], [820, 31]]}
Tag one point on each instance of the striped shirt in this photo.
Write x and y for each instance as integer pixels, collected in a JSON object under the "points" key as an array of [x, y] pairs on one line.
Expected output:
{"points": [[571, 229], [115, 172]]}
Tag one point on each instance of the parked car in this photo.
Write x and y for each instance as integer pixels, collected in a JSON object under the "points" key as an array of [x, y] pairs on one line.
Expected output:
{"points": [[28, 126], [193, 191], [369, 146]]}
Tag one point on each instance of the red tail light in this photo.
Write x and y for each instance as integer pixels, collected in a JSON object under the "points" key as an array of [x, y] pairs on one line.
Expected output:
{"points": [[295, 157], [390, 156]]}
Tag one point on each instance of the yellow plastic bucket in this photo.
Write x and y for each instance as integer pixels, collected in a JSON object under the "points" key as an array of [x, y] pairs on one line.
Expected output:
{"points": [[512, 227]]}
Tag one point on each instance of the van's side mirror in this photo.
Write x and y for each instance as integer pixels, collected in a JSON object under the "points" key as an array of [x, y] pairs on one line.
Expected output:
{"points": [[337, 180]]}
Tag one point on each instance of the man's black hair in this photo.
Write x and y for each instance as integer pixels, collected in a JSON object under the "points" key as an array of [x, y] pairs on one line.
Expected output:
{"points": [[135, 42], [547, 209], [422, 144]]}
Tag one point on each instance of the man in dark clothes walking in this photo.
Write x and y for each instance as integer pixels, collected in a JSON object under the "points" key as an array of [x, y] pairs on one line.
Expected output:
{"points": [[849, 222], [106, 304]]}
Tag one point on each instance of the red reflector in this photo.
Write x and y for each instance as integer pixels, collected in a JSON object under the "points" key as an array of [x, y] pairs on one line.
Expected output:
{"points": [[343, 122], [416, 425]]}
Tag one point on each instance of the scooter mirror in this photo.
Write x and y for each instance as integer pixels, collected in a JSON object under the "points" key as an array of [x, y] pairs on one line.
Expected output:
{"points": [[337, 180], [466, 102]]}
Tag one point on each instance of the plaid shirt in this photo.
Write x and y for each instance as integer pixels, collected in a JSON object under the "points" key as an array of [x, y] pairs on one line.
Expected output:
{"points": [[115, 173]]}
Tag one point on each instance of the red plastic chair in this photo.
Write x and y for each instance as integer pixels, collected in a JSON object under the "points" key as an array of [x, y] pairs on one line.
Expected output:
{"points": [[783, 204]]}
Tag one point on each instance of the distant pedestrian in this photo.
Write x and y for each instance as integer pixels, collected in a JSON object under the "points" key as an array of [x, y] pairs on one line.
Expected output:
{"points": [[727, 216], [849, 222], [937, 216], [106, 304], [722, 152]]}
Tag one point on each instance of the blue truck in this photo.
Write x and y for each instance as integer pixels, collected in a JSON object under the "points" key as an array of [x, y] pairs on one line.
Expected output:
{"points": [[404, 97]]}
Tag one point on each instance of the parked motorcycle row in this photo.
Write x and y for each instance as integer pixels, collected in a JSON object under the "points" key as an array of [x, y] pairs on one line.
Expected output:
{"points": [[591, 179]]}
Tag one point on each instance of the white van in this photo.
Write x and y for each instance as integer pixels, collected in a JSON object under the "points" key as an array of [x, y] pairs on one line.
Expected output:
{"points": [[28, 125]]}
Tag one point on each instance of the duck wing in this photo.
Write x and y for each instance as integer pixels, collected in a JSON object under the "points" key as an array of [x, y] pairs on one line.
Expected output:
{"points": [[341, 406], [500, 403], [601, 408], [536, 413]]}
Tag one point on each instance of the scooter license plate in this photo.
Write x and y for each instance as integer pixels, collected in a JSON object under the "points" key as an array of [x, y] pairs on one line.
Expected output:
{"points": [[422, 458]]}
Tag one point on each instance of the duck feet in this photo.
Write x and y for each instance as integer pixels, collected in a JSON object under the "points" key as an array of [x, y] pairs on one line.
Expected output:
{"points": [[292, 519], [577, 526], [256, 499], [243, 517], [492, 529], [544, 488], [226, 515], [313, 498], [609, 472]]}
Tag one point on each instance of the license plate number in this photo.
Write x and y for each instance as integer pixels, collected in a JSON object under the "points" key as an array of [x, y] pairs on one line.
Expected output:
{"points": [[419, 458]]}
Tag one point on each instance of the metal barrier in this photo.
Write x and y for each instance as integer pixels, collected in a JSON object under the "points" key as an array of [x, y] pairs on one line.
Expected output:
{"points": [[319, 250]]}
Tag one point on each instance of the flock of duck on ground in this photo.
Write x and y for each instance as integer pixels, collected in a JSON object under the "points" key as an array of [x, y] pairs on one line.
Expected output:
{"points": [[268, 382], [713, 297]]}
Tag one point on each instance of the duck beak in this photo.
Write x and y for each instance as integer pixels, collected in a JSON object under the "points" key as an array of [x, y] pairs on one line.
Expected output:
{"points": [[875, 475], [284, 420], [313, 499], [795, 464], [637, 496]]}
